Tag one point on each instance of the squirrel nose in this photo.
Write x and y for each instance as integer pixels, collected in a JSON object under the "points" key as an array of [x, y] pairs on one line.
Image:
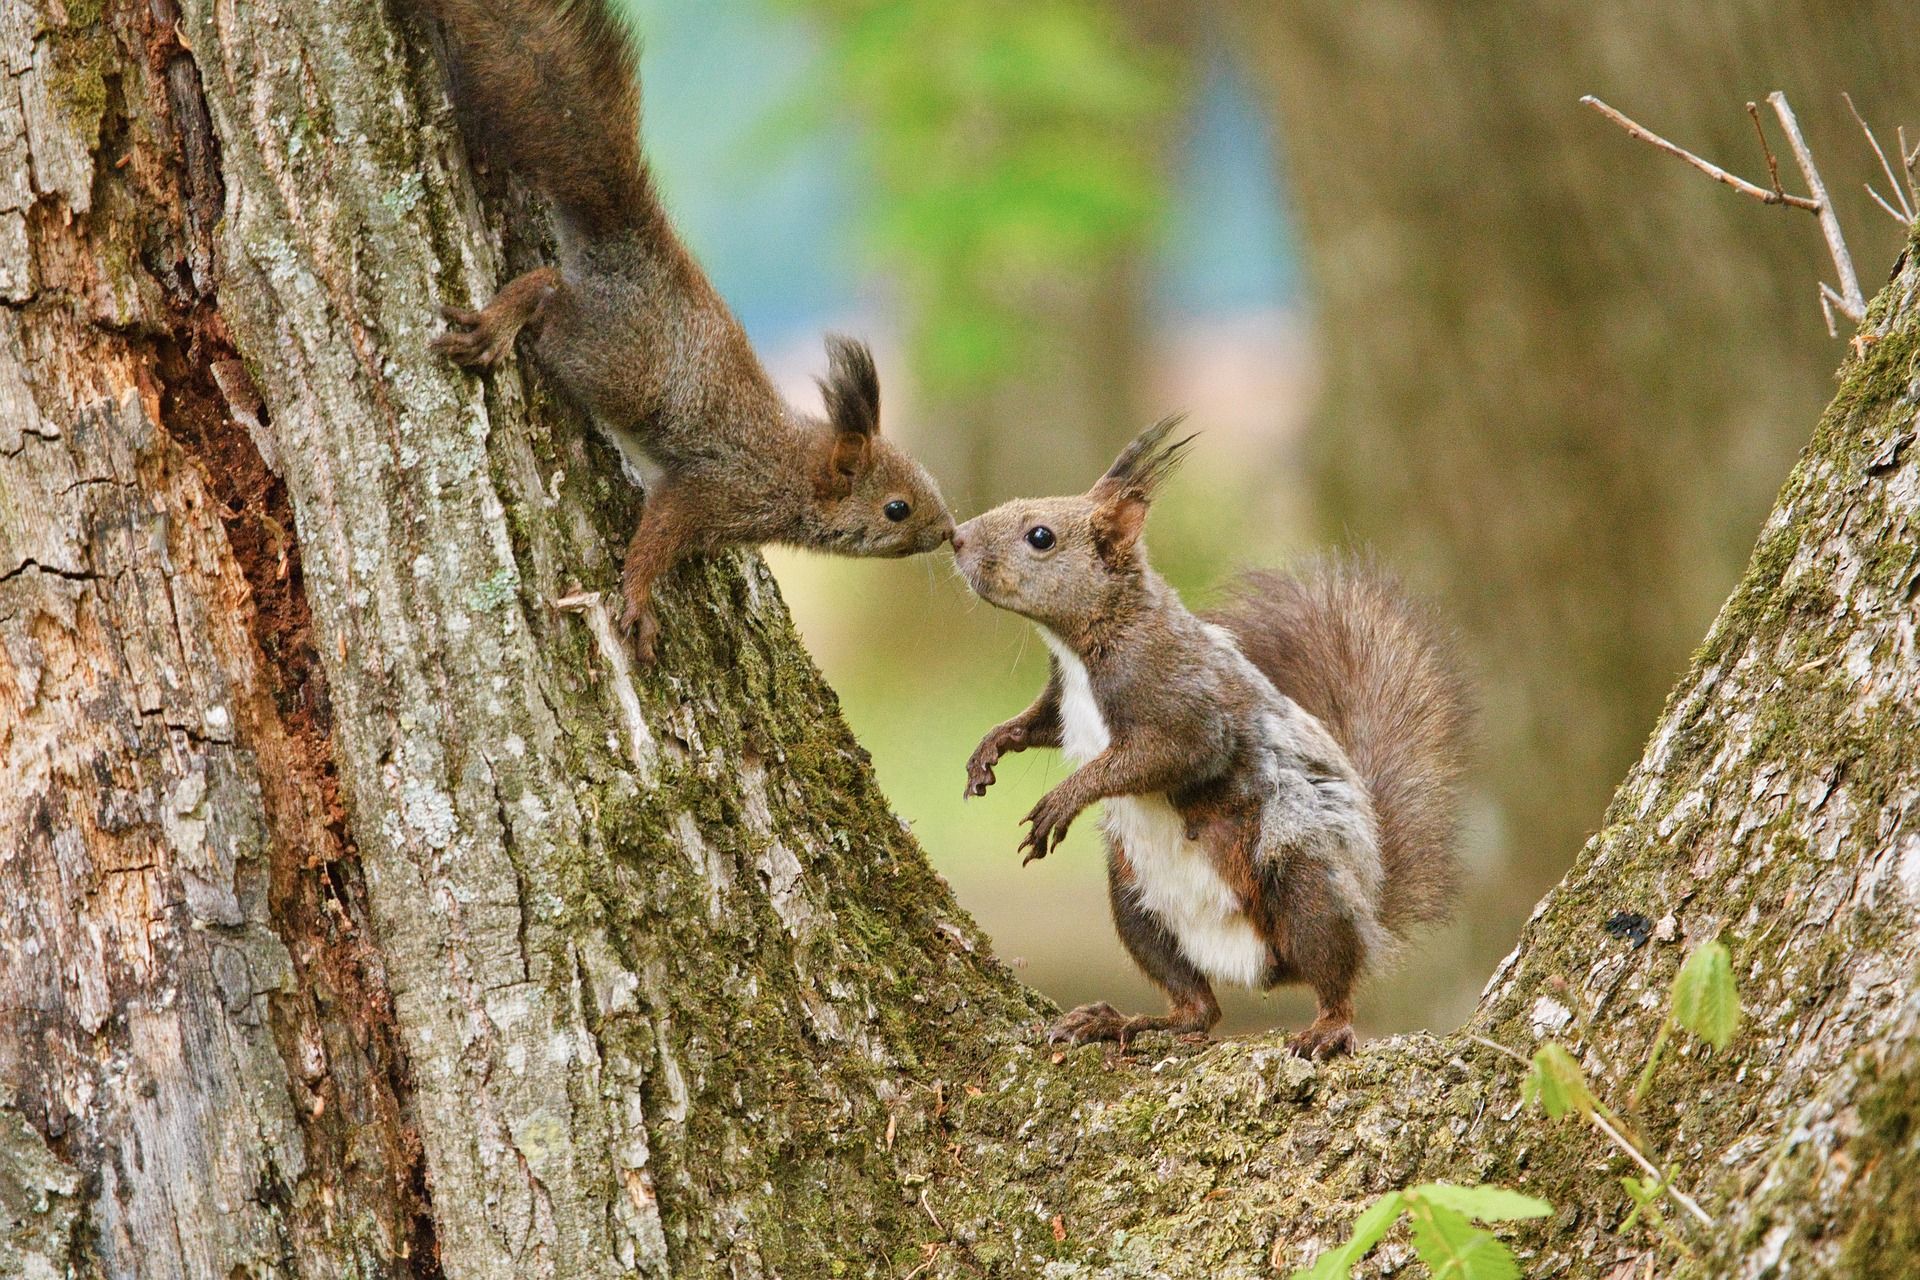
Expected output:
{"points": [[953, 536]]}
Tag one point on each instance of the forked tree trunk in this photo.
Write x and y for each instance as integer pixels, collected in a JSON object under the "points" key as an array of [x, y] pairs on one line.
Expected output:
{"points": [[368, 916]]}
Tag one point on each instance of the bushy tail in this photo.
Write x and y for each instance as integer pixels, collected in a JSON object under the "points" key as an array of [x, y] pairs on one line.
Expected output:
{"points": [[553, 87], [1341, 639]]}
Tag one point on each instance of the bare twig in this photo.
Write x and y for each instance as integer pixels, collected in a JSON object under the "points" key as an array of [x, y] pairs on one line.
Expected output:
{"points": [[1905, 219], [1497, 1047], [1773, 165], [938, 1225], [1680, 1197], [930, 1252], [1712, 170], [1849, 301], [1910, 162], [1904, 214]]}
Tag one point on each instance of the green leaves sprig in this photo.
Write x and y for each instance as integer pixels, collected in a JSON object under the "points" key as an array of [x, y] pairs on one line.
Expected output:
{"points": [[1441, 1216], [1704, 1001]]}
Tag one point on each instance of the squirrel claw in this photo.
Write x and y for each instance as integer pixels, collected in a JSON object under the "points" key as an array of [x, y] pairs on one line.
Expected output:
{"points": [[1323, 1041], [980, 768], [643, 628], [473, 349], [979, 778], [1049, 821], [478, 340], [1098, 1021]]}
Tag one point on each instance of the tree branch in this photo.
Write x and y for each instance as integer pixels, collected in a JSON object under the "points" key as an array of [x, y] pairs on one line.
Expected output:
{"points": [[1847, 299], [1636, 130], [1904, 214]]}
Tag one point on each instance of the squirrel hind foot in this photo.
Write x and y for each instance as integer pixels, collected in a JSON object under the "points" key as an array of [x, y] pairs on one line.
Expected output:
{"points": [[1101, 1021], [480, 339], [480, 344], [1089, 1022], [1323, 1041]]}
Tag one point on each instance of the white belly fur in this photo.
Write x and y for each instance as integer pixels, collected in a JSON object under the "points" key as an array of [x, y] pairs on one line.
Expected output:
{"points": [[1173, 877]]}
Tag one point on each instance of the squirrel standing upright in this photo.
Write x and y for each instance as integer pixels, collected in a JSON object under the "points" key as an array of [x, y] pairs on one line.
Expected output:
{"points": [[633, 331], [1279, 779]]}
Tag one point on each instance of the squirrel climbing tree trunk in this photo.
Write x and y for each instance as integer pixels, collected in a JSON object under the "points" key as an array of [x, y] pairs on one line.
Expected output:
{"points": [[368, 914]]}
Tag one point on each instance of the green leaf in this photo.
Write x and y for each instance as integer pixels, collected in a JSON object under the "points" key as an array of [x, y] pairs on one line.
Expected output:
{"points": [[1640, 1189], [1643, 1193], [1557, 1083], [1484, 1203], [1455, 1249], [1367, 1230], [1705, 1000]]}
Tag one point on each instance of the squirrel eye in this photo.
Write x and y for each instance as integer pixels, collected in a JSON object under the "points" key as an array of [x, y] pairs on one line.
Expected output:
{"points": [[897, 511], [1040, 538]]}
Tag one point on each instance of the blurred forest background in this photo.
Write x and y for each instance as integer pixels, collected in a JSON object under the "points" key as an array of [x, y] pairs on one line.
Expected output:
{"points": [[1415, 296]]}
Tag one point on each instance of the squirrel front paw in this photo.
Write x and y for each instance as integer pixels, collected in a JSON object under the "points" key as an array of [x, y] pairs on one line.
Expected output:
{"points": [[980, 772], [1006, 738], [642, 628], [1048, 824], [980, 766]]}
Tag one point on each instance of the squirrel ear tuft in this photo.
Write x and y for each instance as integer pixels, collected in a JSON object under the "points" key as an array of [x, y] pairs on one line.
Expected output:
{"points": [[851, 390], [851, 387], [1122, 495], [1145, 463]]}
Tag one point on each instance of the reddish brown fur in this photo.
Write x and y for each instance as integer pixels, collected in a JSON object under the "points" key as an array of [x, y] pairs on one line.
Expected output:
{"points": [[1340, 638], [631, 328], [557, 93], [1186, 716]]}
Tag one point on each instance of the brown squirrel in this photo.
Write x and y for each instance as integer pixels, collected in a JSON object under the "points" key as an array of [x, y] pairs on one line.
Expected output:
{"points": [[1278, 777], [633, 331]]}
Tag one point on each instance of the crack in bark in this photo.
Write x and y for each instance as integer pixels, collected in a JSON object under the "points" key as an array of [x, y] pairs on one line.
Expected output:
{"points": [[34, 566]]}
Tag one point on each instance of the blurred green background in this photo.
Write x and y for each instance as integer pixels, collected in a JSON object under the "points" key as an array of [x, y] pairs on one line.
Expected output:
{"points": [[1416, 298]]}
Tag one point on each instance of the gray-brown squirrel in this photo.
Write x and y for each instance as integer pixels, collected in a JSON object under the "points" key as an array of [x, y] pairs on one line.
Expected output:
{"points": [[1279, 777], [631, 329]]}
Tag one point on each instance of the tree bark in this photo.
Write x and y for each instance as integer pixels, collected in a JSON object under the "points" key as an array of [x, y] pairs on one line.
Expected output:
{"points": [[371, 916]]}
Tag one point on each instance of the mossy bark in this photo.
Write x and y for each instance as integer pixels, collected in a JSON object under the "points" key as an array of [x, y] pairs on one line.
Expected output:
{"points": [[375, 919]]}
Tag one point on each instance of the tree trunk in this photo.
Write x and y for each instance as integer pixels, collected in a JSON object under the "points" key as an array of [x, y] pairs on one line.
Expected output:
{"points": [[373, 917], [1564, 372], [377, 916]]}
